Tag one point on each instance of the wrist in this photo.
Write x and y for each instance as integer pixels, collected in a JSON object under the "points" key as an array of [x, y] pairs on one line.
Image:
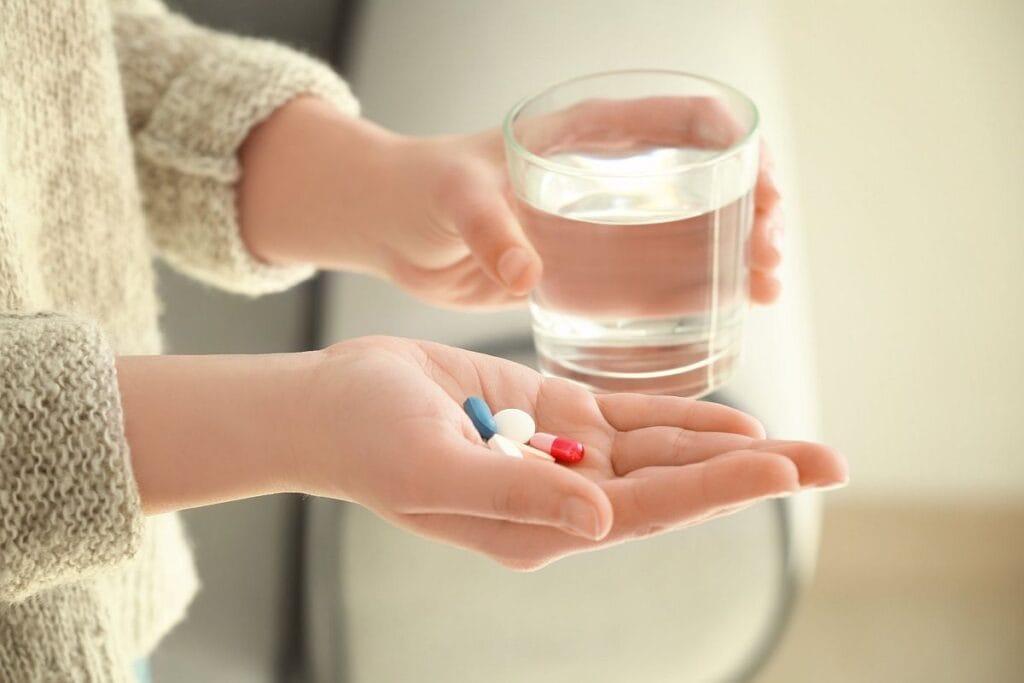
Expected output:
{"points": [[208, 429], [313, 184]]}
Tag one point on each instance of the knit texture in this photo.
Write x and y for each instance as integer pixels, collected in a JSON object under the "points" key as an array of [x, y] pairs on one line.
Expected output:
{"points": [[70, 507], [119, 130], [186, 154]]}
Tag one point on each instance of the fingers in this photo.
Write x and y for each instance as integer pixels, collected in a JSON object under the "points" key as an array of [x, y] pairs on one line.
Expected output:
{"points": [[478, 482], [652, 446], [766, 190], [465, 288], [816, 464], [626, 412], [819, 465], [764, 288], [661, 500], [766, 241], [767, 234], [480, 213], [461, 287]]}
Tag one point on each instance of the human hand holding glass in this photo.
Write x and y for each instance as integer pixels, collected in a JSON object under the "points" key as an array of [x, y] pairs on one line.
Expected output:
{"points": [[433, 214]]}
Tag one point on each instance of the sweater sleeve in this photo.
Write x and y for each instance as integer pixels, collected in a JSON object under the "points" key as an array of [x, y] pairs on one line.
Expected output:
{"points": [[192, 95], [69, 505]]}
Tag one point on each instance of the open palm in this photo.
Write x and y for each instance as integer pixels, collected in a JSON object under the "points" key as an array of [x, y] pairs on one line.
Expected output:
{"points": [[653, 463]]}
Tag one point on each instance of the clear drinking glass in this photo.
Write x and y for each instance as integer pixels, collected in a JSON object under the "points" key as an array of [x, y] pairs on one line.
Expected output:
{"points": [[636, 188]]}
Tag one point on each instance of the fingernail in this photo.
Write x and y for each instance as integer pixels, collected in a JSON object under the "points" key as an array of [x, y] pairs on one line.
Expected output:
{"points": [[833, 486], [581, 517], [512, 264]]}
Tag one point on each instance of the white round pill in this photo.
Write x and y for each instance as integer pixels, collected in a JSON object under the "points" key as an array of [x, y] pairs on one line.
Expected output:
{"points": [[515, 425]]}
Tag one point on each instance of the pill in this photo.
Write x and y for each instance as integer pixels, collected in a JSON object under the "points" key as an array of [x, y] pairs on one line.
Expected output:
{"points": [[515, 425], [499, 444], [480, 415], [531, 452], [563, 450]]}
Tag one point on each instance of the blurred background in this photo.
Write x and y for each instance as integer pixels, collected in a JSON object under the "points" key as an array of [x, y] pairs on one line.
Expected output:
{"points": [[899, 132]]}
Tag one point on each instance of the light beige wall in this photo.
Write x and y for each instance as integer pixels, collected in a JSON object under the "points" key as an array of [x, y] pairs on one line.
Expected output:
{"points": [[909, 136]]}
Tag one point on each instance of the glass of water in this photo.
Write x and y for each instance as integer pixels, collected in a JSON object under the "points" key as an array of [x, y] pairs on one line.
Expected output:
{"points": [[636, 189]]}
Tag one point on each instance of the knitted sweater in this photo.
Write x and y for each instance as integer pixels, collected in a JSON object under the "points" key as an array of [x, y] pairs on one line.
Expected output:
{"points": [[119, 127]]}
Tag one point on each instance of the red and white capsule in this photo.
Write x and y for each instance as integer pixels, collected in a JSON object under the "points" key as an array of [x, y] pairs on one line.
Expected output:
{"points": [[559, 447]]}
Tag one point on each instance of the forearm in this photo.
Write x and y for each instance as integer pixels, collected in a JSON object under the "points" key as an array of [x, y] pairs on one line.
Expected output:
{"points": [[210, 429], [313, 184]]}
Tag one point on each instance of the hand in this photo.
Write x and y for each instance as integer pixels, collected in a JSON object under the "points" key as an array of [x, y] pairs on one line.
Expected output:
{"points": [[433, 215], [340, 192], [380, 423]]}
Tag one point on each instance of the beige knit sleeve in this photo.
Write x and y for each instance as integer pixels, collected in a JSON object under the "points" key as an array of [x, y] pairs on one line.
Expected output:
{"points": [[69, 504], [192, 95]]}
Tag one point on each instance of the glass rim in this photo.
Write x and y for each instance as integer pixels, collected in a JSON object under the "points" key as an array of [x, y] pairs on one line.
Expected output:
{"points": [[515, 146]]}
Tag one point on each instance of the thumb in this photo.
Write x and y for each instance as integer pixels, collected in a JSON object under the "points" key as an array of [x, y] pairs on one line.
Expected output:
{"points": [[477, 482], [489, 228]]}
